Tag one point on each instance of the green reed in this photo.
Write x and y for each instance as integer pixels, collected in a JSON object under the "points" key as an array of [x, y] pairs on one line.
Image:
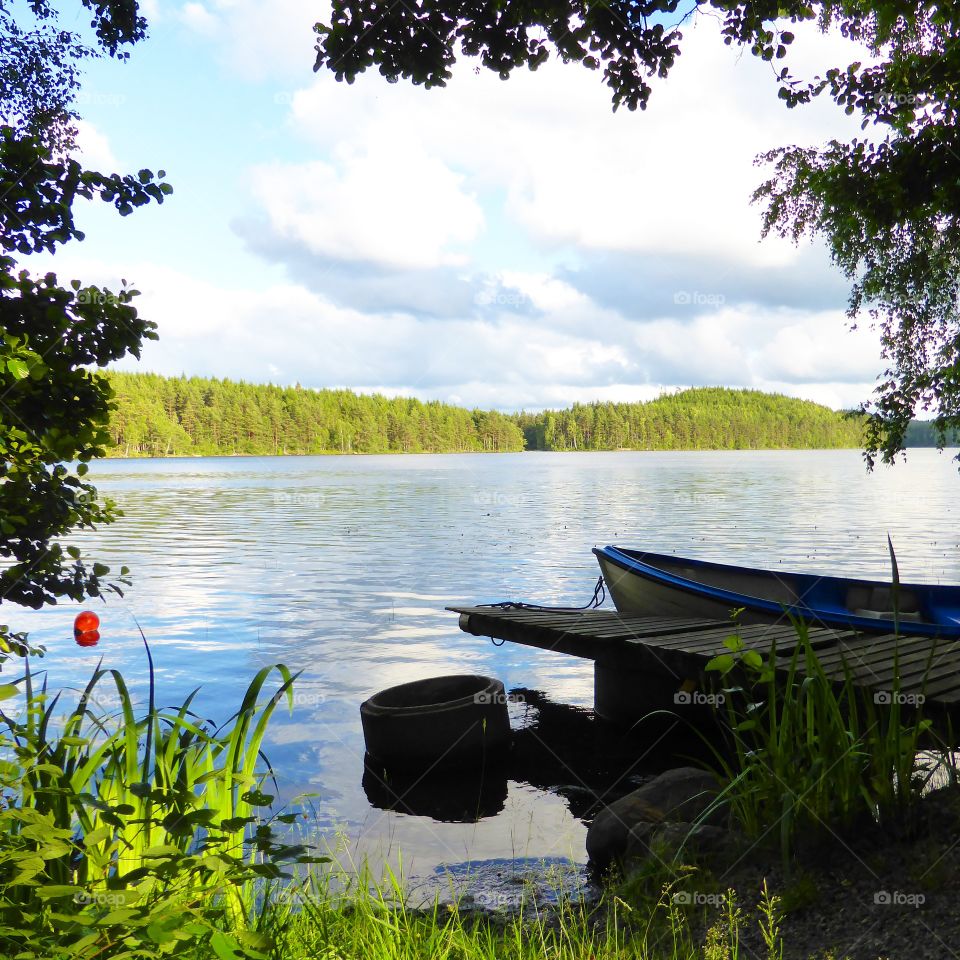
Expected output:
{"points": [[808, 754], [112, 823]]}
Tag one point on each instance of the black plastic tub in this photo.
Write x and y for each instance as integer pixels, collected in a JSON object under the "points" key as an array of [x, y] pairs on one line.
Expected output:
{"points": [[438, 723]]}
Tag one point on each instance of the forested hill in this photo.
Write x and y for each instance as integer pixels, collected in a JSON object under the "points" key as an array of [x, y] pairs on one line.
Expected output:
{"points": [[705, 418], [176, 416], [164, 416]]}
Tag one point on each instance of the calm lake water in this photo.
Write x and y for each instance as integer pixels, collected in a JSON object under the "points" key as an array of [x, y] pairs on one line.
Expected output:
{"points": [[341, 567]]}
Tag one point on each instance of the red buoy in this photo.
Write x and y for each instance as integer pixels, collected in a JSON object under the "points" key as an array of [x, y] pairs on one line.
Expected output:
{"points": [[85, 628], [84, 621]]}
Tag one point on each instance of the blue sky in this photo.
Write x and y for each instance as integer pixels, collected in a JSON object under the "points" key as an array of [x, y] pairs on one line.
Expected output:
{"points": [[495, 244]]}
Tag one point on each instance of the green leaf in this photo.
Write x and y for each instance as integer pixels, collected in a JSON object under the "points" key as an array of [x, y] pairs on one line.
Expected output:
{"points": [[161, 850], [55, 849], [163, 930], [95, 837], [257, 799], [226, 948], [56, 891], [235, 823], [121, 916], [723, 663], [752, 659], [255, 939], [8, 690]]}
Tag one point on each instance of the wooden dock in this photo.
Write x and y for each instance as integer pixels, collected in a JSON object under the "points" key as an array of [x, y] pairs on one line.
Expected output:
{"points": [[641, 663]]}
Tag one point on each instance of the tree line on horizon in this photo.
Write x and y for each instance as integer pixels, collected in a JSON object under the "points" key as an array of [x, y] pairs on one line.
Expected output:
{"points": [[157, 416], [198, 416], [702, 418]]}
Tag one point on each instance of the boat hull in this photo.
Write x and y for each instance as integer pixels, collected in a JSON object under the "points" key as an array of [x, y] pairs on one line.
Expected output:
{"points": [[634, 594], [659, 585]]}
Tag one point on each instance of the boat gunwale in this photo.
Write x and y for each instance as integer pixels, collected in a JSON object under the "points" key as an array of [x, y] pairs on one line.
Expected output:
{"points": [[628, 560]]}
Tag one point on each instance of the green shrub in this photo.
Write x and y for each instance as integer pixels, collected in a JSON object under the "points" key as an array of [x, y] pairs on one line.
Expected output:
{"points": [[134, 837], [810, 756]]}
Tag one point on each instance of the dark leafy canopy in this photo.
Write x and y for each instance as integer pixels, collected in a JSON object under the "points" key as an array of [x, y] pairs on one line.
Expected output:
{"points": [[889, 208], [40, 62], [53, 407], [631, 40], [887, 205]]}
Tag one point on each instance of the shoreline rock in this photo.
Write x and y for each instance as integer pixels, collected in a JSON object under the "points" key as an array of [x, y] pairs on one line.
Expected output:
{"points": [[674, 808]]}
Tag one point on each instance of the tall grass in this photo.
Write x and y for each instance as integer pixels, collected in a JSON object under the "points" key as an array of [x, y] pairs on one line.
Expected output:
{"points": [[372, 920], [118, 823], [809, 755], [135, 836]]}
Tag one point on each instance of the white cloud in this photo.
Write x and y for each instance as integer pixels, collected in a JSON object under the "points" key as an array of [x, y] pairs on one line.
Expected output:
{"points": [[289, 334], [512, 244], [673, 179], [151, 10], [821, 347], [196, 17], [544, 291], [95, 147], [260, 40], [388, 205]]}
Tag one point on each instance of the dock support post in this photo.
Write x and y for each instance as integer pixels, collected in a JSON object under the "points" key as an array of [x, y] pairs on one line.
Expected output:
{"points": [[625, 694]]}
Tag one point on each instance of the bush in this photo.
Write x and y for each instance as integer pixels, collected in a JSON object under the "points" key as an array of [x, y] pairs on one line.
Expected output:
{"points": [[809, 756], [135, 837]]}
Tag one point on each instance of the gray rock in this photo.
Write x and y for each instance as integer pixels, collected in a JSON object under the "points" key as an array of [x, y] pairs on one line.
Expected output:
{"points": [[677, 796], [665, 840]]}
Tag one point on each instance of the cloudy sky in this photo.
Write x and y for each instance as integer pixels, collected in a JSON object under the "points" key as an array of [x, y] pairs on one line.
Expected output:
{"points": [[502, 244]]}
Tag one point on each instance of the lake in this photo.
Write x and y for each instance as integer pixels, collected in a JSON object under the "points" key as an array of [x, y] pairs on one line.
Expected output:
{"points": [[341, 567]]}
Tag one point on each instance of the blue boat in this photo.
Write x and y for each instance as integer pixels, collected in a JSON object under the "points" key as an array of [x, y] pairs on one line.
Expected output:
{"points": [[660, 585]]}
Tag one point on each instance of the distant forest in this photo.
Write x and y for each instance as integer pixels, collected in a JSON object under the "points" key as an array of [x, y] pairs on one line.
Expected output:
{"points": [[194, 416], [182, 416], [705, 418]]}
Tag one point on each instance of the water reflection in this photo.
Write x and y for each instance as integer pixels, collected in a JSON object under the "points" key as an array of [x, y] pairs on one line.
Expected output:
{"points": [[452, 796], [555, 747], [341, 566]]}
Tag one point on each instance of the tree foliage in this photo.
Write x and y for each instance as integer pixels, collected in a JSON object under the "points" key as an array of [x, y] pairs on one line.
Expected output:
{"points": [[54, 409], [177, 416], [159, 416], [705, 418], [630, 40], [889, 209], [887, 205]]}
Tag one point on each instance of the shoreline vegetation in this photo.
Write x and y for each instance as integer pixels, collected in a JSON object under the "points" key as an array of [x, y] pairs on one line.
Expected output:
{"points": [[158, 416], [129, 836]]}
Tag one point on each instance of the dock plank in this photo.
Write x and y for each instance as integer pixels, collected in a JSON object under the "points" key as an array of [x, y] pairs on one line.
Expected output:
{"points": [[679, 648]]}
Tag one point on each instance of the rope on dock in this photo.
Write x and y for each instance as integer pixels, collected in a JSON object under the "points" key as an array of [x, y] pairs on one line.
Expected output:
{"points": [[599, 595]]}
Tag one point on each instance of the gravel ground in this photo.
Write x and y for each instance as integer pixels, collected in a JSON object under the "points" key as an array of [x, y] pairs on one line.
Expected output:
{"points": [[868, 898]]}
